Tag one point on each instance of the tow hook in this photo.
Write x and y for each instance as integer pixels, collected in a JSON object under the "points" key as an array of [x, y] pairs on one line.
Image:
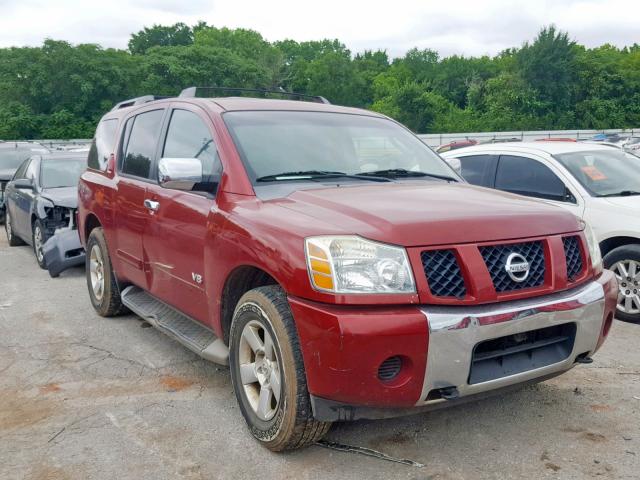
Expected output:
{"points": [[584, 359], [449, 393]]}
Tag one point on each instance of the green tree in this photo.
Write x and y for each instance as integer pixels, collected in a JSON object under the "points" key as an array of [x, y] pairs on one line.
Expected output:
{"points": [[161, 36]]}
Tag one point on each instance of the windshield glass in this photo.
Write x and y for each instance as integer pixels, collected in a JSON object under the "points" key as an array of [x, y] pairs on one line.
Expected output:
{"points": [[11, 158], [61, 172], [604, 173], [272, 143]]}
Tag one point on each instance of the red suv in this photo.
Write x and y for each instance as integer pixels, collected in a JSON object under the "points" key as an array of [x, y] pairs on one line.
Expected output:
{"points": [[339, 266]]}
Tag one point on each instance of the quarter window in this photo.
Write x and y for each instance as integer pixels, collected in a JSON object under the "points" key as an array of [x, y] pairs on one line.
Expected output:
{"points": [[141, 147], [102, 145], [527, 176], [20, 173]]}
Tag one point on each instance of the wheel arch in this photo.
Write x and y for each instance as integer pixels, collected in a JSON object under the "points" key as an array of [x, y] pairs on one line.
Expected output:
{"points": [[91, 221], [618, 241], [238, 282]]}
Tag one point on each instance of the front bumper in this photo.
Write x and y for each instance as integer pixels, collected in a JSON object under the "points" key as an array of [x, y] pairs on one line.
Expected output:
{"points": [[344, 384], [63, 251]]}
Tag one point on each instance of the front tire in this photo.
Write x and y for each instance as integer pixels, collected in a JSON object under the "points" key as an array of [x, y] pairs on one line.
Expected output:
{"points": [[625, 263], [267, 372], [101, 281], [11, 237], [39, 238]]}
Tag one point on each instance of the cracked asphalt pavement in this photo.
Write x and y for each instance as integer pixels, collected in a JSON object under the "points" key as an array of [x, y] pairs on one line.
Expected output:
{"points": [[83, 397]]}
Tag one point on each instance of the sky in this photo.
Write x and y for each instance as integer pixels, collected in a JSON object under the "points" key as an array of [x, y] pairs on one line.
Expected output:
{"points": [[463, 27]]}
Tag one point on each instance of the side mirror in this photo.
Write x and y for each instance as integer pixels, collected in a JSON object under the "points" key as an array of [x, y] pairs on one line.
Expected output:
{"points": [[23, 184], [180, 173]]}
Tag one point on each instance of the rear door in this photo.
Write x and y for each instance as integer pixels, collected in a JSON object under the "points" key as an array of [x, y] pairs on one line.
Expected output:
{"points": [[531, 177], [479, 169], [138, 154], [175, 238]]}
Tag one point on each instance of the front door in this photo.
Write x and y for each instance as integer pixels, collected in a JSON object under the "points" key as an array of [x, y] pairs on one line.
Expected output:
{"points": [[138, 154], [175, 239]]}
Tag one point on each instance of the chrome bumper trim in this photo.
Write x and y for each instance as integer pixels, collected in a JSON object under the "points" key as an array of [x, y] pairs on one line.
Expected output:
{"points": [[454, 332]]}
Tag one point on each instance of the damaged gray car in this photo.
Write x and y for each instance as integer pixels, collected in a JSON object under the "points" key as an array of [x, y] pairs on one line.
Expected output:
{"points": [[41, 202]]}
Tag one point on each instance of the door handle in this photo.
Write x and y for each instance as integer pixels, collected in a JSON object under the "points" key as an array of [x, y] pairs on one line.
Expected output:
{"points": [[152, 205]]}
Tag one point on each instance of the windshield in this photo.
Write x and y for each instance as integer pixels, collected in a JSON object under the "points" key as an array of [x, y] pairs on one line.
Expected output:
{"points": [[11, 158], [273, 143], [604, 173], [61, 172]]}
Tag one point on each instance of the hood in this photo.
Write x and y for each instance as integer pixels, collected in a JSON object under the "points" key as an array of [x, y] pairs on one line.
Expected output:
{"points": [[422, 214], [631, 202], [61, 197], [6, 174]]}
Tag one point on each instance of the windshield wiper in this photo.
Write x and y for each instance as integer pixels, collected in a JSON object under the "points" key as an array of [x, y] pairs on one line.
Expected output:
{"points": [[401, 172], [315, 174], [623, 193]]}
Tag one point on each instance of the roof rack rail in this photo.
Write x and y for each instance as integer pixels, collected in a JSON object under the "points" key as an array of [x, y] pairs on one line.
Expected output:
{"points": [[137, 101], [192, 92]]}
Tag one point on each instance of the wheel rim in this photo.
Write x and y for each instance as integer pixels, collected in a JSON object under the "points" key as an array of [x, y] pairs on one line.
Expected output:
{"points": [[628, 274], [96, 272], [37, 243], [260, 371]]}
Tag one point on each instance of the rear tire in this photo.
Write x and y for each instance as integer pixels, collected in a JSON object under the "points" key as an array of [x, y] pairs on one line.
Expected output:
{"points": [[101, 281], [625, 263], [265, 355], [11, 237], [39, 238]]}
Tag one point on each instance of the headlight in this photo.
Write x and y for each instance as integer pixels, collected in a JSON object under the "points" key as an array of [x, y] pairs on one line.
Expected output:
{"points": [[594, 247], [351, 264]]}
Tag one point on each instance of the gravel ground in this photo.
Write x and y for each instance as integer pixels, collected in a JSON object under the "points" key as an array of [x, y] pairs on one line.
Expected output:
{"points": [[83, 397]]}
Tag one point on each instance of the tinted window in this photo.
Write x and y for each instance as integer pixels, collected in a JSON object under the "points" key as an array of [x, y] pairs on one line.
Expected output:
{"points": [[141, 147], [479, 169], [528, 177], [61, 172], [102, 145], [189, 137]]}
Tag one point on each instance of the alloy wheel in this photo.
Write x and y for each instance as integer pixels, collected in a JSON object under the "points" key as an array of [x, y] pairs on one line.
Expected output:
{"points": [[260, 371], [628, 274], [96, 272], [37, 243]]}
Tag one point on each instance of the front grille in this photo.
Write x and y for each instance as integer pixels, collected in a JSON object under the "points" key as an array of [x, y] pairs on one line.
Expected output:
{"points": [[573, 256], [521, 352], [495, 258], [443, 273]]}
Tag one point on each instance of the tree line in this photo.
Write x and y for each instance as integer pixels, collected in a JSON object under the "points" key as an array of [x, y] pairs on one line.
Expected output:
{"points": [[59, 90]]}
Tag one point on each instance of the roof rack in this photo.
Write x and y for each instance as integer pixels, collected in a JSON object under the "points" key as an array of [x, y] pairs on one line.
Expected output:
{"points": [[137, 101], [192, 92]]}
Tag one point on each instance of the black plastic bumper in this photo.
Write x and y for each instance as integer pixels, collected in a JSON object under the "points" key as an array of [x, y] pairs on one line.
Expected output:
{"points": [[62, 251]]}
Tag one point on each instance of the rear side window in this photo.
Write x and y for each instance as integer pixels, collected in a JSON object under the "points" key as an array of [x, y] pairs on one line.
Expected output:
{"points": [[479, 169], [527, 176], [102, 145], [143, 140]]}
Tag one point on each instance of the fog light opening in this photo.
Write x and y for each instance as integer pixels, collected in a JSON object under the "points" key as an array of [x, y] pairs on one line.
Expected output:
{"points": [[390, 368]]}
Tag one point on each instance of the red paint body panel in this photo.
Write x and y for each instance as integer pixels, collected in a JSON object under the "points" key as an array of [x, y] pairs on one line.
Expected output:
{"points": [[344, 337]]}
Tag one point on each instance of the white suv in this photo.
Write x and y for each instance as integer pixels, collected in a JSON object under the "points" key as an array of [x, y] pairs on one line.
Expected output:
{"points": [[601, 185]]}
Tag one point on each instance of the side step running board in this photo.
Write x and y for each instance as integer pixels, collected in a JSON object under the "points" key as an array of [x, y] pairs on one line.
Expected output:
{"points": [[190, 333]]}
